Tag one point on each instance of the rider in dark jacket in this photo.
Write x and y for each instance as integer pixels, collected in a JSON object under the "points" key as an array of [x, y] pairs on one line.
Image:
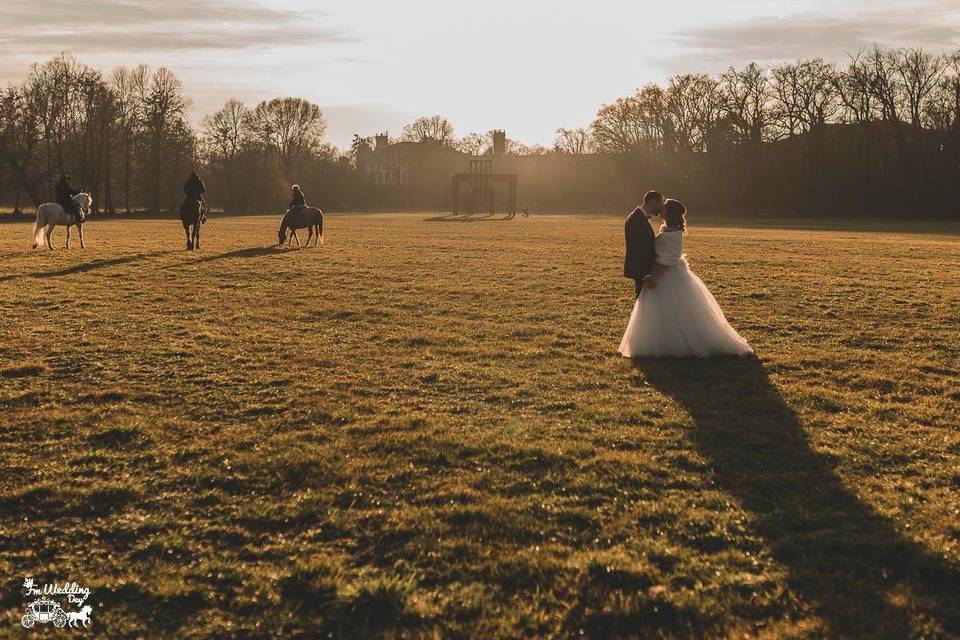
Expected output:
{"points": [[194, 187], [298, 201], [64, 192]]}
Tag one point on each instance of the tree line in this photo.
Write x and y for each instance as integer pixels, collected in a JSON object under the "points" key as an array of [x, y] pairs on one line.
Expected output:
{"points": [[126, 139], [805, 135], [801, 136]]}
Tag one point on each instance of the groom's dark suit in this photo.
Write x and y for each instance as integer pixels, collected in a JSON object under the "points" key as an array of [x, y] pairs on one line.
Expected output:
{"points": [[640, 256]]}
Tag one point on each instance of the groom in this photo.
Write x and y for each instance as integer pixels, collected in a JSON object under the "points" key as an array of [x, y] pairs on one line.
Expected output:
{"points": [[639, 236]]}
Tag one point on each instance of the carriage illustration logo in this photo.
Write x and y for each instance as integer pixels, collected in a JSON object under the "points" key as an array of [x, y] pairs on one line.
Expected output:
{"points": [[46, 610]]}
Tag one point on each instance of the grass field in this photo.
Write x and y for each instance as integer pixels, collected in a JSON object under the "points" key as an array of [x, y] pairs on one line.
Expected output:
{"points": [[422, 429]]}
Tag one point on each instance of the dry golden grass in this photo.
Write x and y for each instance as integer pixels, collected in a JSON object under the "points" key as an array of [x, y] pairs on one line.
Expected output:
{"points": [[421, 429]]}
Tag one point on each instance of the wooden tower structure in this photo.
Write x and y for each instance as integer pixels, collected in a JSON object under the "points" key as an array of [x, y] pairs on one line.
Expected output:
{"points": [[481, 180]]}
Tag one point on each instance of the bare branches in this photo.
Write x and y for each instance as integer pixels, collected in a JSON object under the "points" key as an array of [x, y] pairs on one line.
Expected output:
{"points": [[576, 142], [918, 74], [747, 102], [291, 128], [433, 129], [805, 94]]}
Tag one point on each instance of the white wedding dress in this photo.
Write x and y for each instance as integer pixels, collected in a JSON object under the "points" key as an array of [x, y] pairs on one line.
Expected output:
{"points": [[679, 316]]}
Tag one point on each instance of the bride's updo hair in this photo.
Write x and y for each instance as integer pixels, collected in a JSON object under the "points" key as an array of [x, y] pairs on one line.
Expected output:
{"points": [[674, 214]]}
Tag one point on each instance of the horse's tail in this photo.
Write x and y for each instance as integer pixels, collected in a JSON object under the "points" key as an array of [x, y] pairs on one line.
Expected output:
{"points": [[320, 224], [38, 226]]}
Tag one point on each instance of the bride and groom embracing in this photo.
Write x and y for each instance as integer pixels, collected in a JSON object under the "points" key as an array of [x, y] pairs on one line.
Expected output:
{"points": [[675, 314]]}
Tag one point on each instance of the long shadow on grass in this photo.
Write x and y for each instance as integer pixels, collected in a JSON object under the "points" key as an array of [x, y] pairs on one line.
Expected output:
{"points": [[83, 267], [239, 254], [841, 555], [469, 218], [252, 252]]}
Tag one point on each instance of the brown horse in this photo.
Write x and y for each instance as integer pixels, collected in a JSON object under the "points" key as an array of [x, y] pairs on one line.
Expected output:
{"points": [[193, 213], [306, 218]]}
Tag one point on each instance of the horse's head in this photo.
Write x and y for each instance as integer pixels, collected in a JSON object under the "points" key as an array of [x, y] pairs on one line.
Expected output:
{"points": [[282, 235], [87, 610], [85, 202]]}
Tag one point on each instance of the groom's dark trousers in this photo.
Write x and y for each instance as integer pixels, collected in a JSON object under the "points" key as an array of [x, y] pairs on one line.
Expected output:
{"points": [[640, 253]]}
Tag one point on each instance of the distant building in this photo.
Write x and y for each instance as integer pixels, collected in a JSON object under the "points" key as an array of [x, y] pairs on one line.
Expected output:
{"points": [[386, 164], [400, 164], [414, 175]]}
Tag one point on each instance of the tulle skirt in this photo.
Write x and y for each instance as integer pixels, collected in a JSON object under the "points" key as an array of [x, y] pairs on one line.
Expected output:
{"points": [[680, 317]]}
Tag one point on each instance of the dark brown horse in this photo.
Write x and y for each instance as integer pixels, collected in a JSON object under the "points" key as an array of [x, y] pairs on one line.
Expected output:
{"points": [[306, 218], [193, 213]]}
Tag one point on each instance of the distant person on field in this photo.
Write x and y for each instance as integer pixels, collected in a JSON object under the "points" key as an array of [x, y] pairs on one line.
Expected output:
{"points": [[64, 192], [297, 201]]}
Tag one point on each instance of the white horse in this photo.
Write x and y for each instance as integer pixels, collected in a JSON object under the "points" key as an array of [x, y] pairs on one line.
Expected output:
{"points": [[51, 215], [79, 616]]}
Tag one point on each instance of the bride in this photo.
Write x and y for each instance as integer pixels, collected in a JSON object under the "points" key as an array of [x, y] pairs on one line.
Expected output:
{"points": [[675, 314]]}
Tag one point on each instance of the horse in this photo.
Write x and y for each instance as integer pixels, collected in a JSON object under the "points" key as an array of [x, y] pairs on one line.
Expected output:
{"points": [[306, 218], [52, 214], [193, 213], [79, 616]]}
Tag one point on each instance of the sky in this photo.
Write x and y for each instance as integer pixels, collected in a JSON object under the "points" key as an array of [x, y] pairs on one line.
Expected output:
{"points": [[527, 66]]}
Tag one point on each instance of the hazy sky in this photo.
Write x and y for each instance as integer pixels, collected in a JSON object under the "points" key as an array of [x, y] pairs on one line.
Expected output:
{"points": [[528, 66]]}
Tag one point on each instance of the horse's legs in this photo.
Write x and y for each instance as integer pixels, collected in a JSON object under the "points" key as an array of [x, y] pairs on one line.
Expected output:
{"points": [[80, 231], [297, 237], [196, 235], [67, 245], [186, 231], [48, 234], [309, 234]]}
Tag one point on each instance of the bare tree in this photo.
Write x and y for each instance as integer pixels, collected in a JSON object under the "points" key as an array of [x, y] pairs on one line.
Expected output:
{"points": [[19, 141], [129, 89], [291, 128], [433, 129], [884, 83], [474, 144], [632, 124], [225, 134], [747, 101], [942, 109], [164, 111], [693, 106], [853, 86], [919, 73], [576, 142], [805, 95], [519, 149]]}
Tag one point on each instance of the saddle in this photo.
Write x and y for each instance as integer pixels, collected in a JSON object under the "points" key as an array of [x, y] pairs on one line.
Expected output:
{"points": [[191, 201], [73, 210]]}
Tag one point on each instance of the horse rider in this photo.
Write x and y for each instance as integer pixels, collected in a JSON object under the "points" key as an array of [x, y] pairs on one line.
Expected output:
{"points": [[65, 192], [194, 188], [298, 201]]}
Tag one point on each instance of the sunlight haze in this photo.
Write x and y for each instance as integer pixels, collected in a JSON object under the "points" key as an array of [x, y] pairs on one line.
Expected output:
{"points": [[528, 67]]}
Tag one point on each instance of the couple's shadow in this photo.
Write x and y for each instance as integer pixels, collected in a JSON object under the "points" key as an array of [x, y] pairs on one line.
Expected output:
{"points": [[842, 557]]}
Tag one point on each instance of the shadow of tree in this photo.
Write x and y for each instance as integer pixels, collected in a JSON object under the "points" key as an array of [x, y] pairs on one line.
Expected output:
{"points": [[842, 557]]}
